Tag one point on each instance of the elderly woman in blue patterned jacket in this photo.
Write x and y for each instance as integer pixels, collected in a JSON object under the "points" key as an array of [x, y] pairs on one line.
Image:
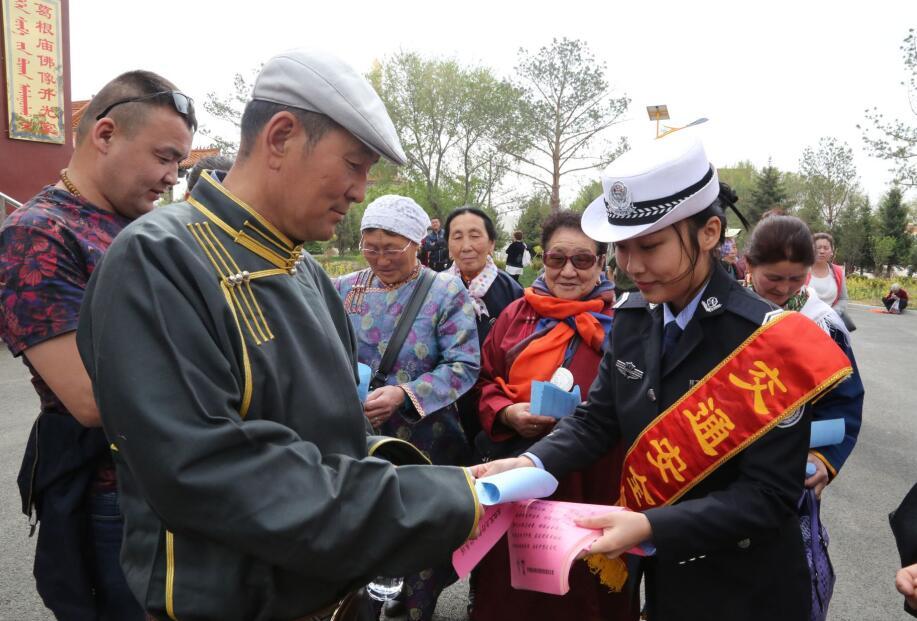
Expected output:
{"points": [[438, 362]]}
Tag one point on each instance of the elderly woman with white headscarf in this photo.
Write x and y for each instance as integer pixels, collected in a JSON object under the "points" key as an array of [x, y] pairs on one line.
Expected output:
{"points": [[437, 363]]}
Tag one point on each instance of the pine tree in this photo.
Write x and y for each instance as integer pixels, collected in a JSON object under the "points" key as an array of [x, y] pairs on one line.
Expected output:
{"points": [[767, 194], [893, 221], [854, 237]]}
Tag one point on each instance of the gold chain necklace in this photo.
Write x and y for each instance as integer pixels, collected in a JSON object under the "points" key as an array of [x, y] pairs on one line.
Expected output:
{"points": [[69, 184]]}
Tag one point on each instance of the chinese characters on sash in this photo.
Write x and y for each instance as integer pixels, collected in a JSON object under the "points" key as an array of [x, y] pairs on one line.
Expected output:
{"points": [[760, 384], [34, 70]]}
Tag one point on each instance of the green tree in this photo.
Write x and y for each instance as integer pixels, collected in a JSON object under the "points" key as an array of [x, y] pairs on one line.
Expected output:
{"points": [[454, 122], [741, 178], [768, 193], [586, 195], [893, 221], [830, 176], [569, 106], [490, 113], [856, 230], [227, 109], [896, 140], [912, 262], [535, 209], [883, 250]]}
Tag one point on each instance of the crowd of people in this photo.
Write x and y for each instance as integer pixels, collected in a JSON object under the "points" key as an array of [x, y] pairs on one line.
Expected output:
{"points": [[203, 450]]}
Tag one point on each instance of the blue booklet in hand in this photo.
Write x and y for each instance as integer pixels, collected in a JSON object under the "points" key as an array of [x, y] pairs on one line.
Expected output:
{"points": [[366, 375], [549, 400]]}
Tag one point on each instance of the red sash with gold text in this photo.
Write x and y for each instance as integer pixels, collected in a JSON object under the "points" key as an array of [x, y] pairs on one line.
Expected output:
{"points": [[784, 364]]}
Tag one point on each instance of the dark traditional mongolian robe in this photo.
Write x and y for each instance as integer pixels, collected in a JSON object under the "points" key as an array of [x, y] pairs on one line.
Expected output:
{"points": [[224, 368]]}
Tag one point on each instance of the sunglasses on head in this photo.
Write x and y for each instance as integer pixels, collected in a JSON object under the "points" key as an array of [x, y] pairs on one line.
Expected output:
{"points": [[581, 261], [183, 104]]}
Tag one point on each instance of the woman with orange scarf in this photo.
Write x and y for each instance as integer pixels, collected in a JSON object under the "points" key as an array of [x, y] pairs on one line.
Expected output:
{"points": [[562, 321]]}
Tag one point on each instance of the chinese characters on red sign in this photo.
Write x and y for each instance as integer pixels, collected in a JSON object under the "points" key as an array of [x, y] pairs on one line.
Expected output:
{"points": [[34, 71]]}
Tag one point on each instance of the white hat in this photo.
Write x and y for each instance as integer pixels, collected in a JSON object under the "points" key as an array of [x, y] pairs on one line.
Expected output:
{"points": [[318, 81], [730, 233], [650, 188], [396, 214]]}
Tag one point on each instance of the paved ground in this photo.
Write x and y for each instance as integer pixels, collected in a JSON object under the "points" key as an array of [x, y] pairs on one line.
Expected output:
{"points": [[856, 505]]}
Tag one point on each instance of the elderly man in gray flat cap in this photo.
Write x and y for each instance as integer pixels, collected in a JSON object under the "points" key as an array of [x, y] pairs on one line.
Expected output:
{"points": [[224, 368]]}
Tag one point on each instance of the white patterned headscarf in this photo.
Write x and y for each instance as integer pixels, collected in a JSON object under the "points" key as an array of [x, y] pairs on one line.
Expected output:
{"points": [[396, 214]]}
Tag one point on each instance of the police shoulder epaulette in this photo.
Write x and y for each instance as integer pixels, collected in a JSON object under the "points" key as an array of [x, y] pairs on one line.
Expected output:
{"points": [[630, 299], [745, 303]]}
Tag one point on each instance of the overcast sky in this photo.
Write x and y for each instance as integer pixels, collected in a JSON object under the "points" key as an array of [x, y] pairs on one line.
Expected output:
{"points": [[773, 77]]}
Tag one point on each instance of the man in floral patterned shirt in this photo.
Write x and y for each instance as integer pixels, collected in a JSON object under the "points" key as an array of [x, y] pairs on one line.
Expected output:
{"points": [[134, 133]]}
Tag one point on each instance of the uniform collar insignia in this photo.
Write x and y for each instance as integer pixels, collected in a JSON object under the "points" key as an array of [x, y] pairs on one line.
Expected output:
{"points": [[711, 304], [628, 370]]}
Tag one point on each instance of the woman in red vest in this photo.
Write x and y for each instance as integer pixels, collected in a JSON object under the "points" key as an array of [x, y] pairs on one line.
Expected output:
{"points": [[828, 279]]}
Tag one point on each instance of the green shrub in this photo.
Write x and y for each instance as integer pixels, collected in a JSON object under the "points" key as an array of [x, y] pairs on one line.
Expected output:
{"points": [[339, 266]]}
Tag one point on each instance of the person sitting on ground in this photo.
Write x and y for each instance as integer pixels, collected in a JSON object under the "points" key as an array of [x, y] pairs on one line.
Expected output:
{"points": [[896, 300]]}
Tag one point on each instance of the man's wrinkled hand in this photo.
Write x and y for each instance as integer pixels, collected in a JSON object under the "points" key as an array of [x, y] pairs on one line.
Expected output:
{"points": [[501, 465]]}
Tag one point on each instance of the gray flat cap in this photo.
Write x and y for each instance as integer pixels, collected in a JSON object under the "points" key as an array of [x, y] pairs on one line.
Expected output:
{"points": [[318, 81]]}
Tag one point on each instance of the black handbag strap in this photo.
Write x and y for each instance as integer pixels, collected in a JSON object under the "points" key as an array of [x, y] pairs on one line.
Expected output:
{"points": [[393, 348]]}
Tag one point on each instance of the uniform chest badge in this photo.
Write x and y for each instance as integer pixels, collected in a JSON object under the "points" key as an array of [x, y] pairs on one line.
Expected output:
{"points": [[711, 304], [793, 418], [628, 370]]}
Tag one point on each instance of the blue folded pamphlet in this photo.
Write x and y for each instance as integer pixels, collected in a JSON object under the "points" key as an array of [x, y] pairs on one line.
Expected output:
{"points": [[366, 375], [513, 485], [549, 400], [827, 432]]}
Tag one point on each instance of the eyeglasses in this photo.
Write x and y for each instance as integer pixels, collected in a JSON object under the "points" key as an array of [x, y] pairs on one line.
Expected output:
{"points": [[183, 104], [582, 261], [388, 253]]}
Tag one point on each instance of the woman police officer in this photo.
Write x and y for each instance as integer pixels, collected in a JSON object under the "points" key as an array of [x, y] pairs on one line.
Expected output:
{"points": [[702, 380]]}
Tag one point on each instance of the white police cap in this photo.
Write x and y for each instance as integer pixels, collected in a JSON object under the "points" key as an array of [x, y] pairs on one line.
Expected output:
{"points": [[650, 188]]}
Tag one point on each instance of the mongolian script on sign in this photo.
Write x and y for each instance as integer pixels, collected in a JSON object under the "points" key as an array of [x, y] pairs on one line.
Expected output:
{"points": [[34, 70]]}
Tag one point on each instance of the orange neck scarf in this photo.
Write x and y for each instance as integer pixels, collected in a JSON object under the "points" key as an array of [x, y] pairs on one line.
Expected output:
{"points": [[544, 355]]}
